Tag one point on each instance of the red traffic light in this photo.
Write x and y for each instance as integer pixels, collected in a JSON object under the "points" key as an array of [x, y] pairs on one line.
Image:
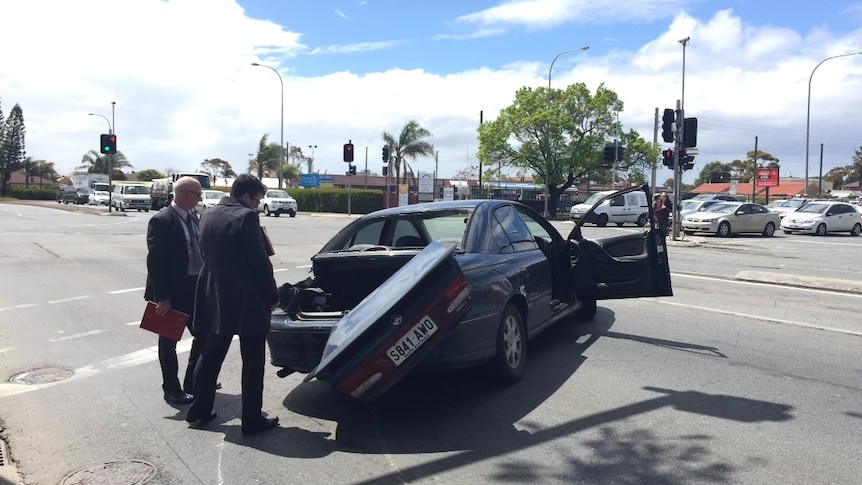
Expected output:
{"points": [[348, 152]]}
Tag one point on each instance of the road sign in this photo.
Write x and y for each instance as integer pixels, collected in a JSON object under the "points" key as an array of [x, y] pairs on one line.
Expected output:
{"points": [[309, 180]]}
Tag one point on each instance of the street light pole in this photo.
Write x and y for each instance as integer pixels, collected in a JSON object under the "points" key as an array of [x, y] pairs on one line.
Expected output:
{"points": [[808, 115], [281, 142], [110, 132], [311, 162], [548, 154]]}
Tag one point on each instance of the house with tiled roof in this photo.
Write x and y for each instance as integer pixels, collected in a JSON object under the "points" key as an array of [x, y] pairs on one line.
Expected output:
{"points": [[787, 188]]}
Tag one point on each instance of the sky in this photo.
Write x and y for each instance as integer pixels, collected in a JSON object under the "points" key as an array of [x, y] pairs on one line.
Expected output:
{"points": [[174, 77]]}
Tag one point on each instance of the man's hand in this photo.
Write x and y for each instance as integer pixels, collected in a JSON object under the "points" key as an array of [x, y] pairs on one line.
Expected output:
{"points": [[163, 307]]}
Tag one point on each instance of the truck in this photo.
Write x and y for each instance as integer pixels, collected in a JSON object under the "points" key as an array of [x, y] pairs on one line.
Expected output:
{"points": [[86, 179], [203, 178], [161, 192]]}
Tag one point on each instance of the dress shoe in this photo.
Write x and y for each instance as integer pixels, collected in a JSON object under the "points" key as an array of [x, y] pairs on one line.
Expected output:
{"points": [[179, 398], [260, 425], [200, 423]]}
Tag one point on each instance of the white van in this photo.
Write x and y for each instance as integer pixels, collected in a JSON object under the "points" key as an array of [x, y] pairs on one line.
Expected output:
{"points": [[131, 196], [632, 207]]}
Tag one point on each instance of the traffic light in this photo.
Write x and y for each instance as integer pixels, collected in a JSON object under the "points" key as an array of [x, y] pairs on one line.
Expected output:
{"points": [[348, 152], [667, 158], [687, 162], [666, 125], [108, 144], [385, 153], [385, 170], [608, 157], [689, 132], [352, 167]]}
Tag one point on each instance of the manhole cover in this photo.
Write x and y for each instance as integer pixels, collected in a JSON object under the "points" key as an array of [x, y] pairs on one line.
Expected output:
{"points": [[126, 472], [42, 376]]}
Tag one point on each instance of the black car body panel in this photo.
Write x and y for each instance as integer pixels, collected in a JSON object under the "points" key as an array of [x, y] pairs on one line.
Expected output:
{"points": [[508, 256]]}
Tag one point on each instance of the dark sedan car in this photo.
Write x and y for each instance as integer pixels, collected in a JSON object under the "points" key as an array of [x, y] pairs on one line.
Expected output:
{"points": [[443, 285], [74, 195]]}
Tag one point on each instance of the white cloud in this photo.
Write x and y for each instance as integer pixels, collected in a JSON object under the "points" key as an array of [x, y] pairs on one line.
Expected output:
{"points": [[180, 74]]}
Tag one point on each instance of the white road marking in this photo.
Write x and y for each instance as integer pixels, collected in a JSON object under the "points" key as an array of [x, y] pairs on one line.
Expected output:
{"points": [[16, 307], [64, 300], [77, 335], [117, 292], [7, 349], [757, 283]]}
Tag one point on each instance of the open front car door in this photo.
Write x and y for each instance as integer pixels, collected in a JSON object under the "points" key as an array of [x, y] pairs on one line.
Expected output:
{"points": [[620, 264]]}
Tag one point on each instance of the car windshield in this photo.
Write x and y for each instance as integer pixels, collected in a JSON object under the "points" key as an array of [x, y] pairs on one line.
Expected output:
{"points": [[85, 190], [722, 208], [276, 194], [794, 204], [595, 198], [813, 208], [214, 195], [691, 204], [137, 189]]}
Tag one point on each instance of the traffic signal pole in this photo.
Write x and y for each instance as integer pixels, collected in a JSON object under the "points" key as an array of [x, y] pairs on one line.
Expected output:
{"points": [[677, 168]]}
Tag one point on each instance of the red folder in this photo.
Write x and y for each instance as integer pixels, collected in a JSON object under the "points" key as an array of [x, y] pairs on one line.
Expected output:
{"points": [[170, 325]]}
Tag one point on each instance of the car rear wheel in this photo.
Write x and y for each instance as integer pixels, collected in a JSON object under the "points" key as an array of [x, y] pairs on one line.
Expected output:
{"points": [[602, 220], [769, 230], [276, 214], [857, 229], [821, 230], [723, 229], [266, 211], [292, 213], [642, 220], [511, 359]]}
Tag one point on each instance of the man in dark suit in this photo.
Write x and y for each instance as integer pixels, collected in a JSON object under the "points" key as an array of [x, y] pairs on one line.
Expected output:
{"points": [[236, 294], [173, 263]]}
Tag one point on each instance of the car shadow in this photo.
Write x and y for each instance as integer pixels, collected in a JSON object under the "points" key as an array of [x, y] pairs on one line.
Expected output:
{"points": [[467, 419]]}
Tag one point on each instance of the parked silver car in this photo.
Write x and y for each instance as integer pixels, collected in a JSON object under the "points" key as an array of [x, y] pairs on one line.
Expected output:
{"points": [[726, 218], [822, 217]]}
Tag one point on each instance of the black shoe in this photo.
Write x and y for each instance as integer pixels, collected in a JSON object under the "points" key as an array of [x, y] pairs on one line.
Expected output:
{"points": [[179, 398], [261, 425], [189, 390], [200, 423]]}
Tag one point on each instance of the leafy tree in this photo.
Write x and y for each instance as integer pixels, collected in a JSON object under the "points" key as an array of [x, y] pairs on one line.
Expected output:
{"points": [[12, 146], [857, 166], [217, 167], [266, 163], [296, 158], [149, 174], [558, 135], [96, 162], [744, 169], [410, 144], [714, 172]]}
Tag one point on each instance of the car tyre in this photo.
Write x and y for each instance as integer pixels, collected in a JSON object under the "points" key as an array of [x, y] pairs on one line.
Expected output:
{"points": [[602, 220], [723, 229], [266, 211], [857, 229], [588, 309], [769, 230], [292, 213], [821, 230], [277, 214], [511, 359], [642, 220]]}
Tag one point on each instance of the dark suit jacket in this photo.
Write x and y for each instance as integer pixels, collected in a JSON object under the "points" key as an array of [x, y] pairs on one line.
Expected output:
{"points": [[168, 262], [236, 287]]}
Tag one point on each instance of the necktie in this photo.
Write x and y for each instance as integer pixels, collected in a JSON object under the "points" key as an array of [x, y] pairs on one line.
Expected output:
{"points": [[196, 260]]}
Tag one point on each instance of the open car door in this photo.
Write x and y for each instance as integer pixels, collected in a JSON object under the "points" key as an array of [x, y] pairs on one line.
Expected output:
{"points": [[618, 264], [374, 345]]}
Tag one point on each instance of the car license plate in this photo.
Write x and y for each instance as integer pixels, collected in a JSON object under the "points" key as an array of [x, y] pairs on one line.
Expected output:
{"points": [[412, 340]]}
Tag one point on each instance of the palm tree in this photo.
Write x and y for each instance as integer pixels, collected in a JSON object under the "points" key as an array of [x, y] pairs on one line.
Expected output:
{"points": [[96, 162], [410, 144]]}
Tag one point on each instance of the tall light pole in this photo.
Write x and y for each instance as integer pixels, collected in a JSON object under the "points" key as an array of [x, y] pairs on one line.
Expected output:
{"points": [[311, 162], [678, 144], [281, 142], [808, 115], [548, 155]]}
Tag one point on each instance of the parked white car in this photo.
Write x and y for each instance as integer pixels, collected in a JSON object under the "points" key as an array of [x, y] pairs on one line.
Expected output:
{"points": [[789, 206], [822, 218], [276, 202], [631, 207], [209, 198]]}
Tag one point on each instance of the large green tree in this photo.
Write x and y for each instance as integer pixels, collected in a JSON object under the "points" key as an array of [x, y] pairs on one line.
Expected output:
{"points": [[267, 162], [149, 174], [217, 167], [558, 135], [411, 143], [12, 146], [744, 169]]}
